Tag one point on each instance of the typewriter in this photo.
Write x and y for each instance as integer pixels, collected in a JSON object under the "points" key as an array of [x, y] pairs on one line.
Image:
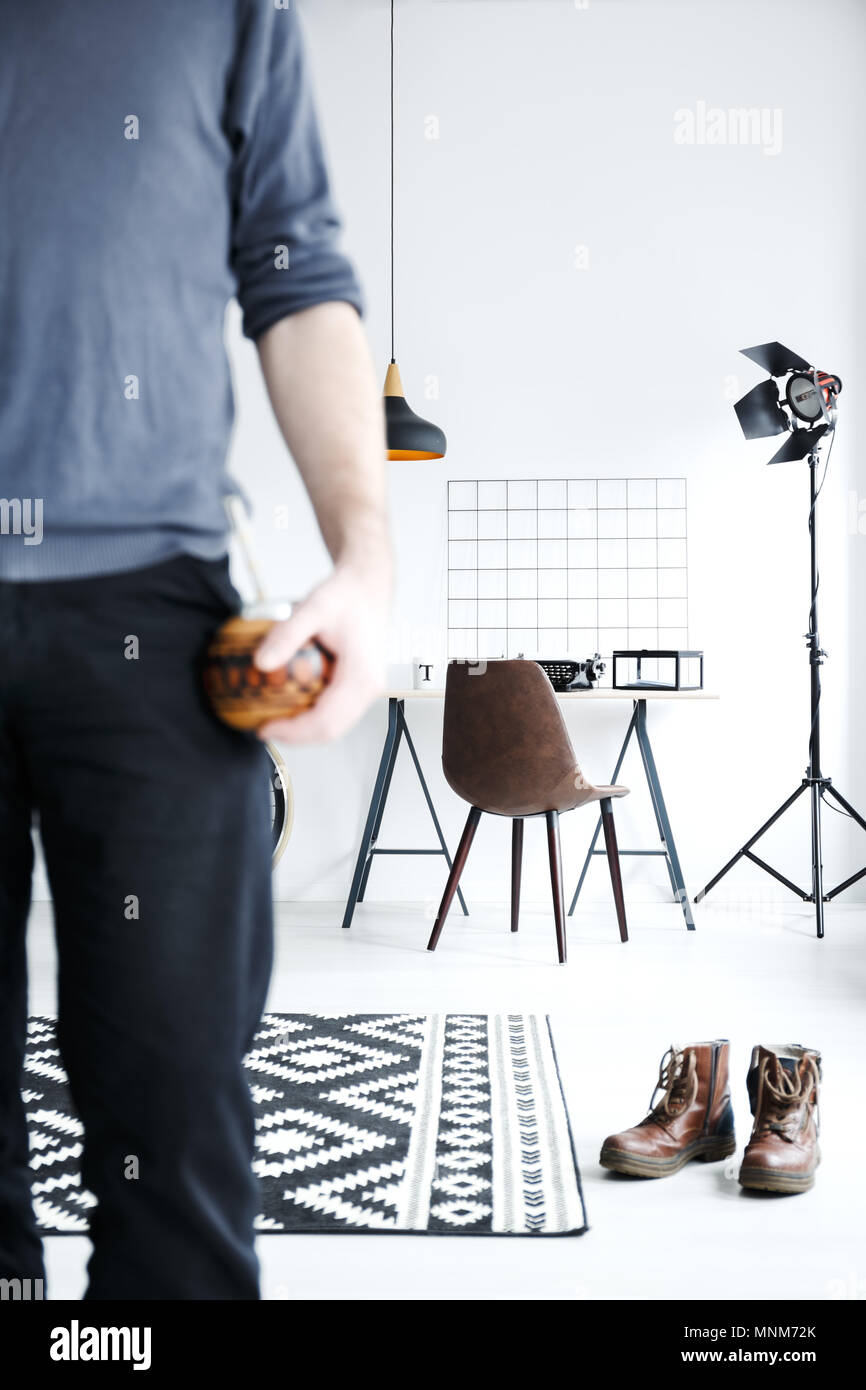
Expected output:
{"points": [[574, 675]]}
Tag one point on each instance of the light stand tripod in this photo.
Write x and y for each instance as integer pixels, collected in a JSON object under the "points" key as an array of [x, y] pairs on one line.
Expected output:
{"points": [[817, 785]]}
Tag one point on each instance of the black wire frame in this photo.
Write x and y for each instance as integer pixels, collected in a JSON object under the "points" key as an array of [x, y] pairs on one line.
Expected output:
{"points": [[471, 553]]}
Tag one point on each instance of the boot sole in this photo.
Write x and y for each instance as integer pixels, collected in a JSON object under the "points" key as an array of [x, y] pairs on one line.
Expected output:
{"points": [[709, 1150], [764, 1180]]}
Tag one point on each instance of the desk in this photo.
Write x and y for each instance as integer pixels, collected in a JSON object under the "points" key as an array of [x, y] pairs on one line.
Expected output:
{"points": [[398, 729]]}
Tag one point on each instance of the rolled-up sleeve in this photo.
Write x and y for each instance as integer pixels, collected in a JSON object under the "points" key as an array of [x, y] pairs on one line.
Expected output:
{"points": [[285, 250]]}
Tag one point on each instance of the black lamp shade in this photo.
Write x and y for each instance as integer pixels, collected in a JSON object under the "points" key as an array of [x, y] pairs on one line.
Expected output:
{"points": [[408, 436]]}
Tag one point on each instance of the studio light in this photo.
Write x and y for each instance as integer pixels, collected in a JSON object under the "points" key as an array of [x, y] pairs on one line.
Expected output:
{"points": [[805, 409]]}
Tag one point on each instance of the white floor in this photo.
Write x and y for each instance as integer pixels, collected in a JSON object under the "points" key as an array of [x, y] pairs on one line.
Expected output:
{"points": [[750, 975]]}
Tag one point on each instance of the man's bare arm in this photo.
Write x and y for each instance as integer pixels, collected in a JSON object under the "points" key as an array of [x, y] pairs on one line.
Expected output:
{"points": [[322, 386]]}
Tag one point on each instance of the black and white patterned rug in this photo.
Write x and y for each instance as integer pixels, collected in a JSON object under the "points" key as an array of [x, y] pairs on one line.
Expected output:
{"points": [[440, 1124]]}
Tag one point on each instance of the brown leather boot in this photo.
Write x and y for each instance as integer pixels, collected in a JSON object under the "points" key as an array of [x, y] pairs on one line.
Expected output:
{"points": [[783, 1084], [693, 1119]]}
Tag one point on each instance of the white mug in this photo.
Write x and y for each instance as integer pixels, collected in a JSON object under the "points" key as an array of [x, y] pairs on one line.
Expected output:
{"points": [[426, 675]]}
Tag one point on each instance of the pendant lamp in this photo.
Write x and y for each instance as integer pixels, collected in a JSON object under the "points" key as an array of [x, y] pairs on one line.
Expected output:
{"points": [[408, 436]]}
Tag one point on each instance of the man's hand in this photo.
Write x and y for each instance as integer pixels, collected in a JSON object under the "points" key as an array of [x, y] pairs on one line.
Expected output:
{"points": [[321, 383], [348, 613]]}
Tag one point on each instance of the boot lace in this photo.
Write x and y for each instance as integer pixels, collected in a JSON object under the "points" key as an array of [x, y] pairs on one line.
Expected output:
{"points": [[786, 1094], [678, 1084]]}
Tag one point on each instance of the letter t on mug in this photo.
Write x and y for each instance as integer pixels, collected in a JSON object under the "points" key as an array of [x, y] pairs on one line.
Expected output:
{"points": [[426, 675]]}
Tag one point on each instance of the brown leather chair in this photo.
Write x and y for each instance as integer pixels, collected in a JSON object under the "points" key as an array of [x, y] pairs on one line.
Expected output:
{"points": [[506, 751]]}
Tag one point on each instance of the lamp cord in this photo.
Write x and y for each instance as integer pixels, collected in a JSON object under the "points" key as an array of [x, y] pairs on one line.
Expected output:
{"points": [[392, 182]]}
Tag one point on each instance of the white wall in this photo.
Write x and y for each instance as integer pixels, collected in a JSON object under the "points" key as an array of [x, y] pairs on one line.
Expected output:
{"points": [[557, 130]]}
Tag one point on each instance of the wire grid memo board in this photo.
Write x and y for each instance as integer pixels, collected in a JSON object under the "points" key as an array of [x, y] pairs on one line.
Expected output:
{"points": [[565, 567]]}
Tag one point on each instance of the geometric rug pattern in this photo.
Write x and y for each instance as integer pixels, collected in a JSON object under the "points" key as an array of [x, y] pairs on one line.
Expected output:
{"points": [[441, 1124]]}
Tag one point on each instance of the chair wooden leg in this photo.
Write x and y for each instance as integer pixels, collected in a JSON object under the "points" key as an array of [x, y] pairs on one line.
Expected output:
{"points": [[613, 863], [516, 863], [454, 877], [555, 852]]}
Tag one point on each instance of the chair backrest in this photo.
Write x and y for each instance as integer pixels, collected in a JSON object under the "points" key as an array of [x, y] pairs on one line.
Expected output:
{"points": [[505, 742]]}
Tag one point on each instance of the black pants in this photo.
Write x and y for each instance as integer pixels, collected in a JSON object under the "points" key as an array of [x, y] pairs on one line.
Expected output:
{"points": [[155, 823]]}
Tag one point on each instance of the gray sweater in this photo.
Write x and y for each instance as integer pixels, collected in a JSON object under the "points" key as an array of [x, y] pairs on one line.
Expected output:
{"points": [[155, 159]]}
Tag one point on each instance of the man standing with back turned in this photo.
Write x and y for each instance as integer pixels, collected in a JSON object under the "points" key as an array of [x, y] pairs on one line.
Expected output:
{"points": [[155, 160]]}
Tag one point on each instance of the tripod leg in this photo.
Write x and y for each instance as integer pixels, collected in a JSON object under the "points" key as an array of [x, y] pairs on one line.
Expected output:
{"points": [[855, 816], [817, 866], [846, 805], [748, 845], [840, 887]]}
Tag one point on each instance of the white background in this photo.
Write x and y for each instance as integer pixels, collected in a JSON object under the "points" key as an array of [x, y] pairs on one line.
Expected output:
{"points": [[556, 130]]}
